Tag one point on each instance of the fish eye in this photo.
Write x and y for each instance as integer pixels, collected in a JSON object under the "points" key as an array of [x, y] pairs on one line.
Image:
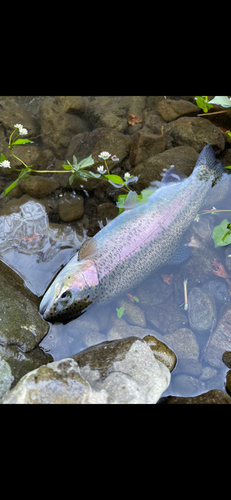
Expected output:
{"points": [[66, 298]]}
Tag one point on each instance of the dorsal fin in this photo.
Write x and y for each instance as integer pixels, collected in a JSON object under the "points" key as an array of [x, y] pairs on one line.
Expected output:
{"points": [[88, 247], [172, 175]]}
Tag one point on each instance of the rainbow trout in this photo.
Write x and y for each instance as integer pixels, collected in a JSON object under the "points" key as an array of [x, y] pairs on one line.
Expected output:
{"points": [[132, 245]]}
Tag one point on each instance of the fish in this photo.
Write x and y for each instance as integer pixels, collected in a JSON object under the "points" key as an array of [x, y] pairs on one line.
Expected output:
{"points": [[133, 245]]}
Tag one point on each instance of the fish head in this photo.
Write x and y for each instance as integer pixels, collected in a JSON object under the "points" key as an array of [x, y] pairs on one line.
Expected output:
{"points": [[74, 289]]}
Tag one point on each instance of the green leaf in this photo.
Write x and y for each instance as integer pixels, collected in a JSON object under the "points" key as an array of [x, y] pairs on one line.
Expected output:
{"points": [[67, 167], [10, 187], [2, 158], [20, 141], [135, 298], [203, 103], [115, 178], [222, 100], [120, 311], [71, 178], [86, 162], [220, 235], [75, 160]]}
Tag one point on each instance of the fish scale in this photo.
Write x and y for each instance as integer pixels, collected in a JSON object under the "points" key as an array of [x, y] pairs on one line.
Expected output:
{"points": [[132, 245]]}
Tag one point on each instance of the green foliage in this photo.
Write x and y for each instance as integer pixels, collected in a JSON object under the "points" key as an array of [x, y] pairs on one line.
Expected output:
{"points": [[24, 174], [221, 236], [20, 141], [203, 103], [120, 312], [2, 158]]}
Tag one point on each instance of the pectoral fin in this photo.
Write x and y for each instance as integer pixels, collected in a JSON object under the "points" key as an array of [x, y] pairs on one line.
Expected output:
{"points": [[88, 248]]}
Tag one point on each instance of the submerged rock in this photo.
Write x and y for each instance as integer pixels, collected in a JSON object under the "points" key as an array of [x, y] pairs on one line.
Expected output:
{"points": [[184, 344], [219, 341], [202, 312], [195, 132], [169, 109], [71, 207], [167, 318], [186, 385]]}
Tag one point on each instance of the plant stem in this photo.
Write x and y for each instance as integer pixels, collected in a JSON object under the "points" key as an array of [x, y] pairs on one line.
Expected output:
{"points": [[107, 167], [215, 113], [18, 159]]}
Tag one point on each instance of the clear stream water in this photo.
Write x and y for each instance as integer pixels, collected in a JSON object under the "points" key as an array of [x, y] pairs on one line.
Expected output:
{"points": [[38, 250]]}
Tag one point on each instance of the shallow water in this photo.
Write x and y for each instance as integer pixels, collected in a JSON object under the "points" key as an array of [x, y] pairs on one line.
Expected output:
{"points": [[95, 324], [38, 259]]}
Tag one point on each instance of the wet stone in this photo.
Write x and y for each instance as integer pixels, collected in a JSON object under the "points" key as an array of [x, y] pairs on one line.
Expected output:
{"points": [[6, 378], [170, 110], [38, 186], [226, 358], [202, 313], [214, 396], [190, 366], [126, 369], [145, 145], [59, 382], [195, 132], [219, 341], [161, 351], [184, 344], [22, 362], [20, 323], [228, 381], [187, 385], [152, 292], [133, 314], [167, 319], [208, 373], [71, 207], [218, 289]]}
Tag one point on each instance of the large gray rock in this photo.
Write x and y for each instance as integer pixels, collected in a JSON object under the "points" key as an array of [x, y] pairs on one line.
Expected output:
{"points": [[124, 371], [59, 382]]}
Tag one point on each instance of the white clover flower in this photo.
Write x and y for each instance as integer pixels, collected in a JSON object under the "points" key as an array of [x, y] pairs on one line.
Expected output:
{"points": [[126, 176], [101, 169], [23, 131], [19, 126], [5, 164], [104, 155]]}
